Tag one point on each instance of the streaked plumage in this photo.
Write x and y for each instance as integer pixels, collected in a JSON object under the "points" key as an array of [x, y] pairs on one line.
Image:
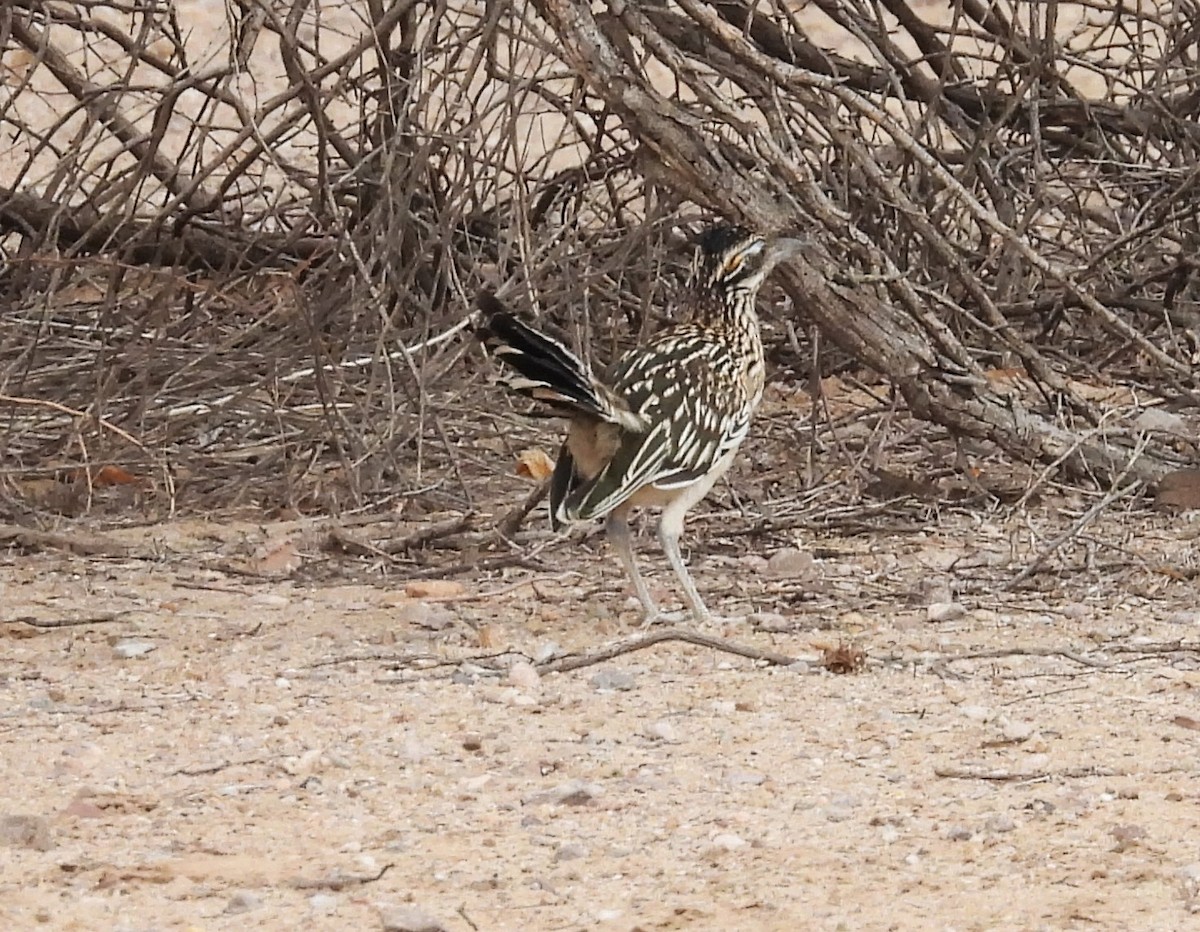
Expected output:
{"points": [[663, 423]]}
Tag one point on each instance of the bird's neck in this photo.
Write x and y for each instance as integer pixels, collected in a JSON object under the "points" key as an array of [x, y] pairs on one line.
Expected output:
{"points": [[733, 314]]}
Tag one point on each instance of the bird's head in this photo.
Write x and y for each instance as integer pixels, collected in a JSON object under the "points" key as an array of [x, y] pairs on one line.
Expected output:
{"points": [[733, 258]]}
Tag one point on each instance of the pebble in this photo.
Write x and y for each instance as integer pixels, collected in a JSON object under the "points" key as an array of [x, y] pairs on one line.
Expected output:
{"points": [[21, 830], [1000, 823], [407, 919], [1157, 419], [571, 851], [769, 622], [243, 902], [662, 730], [1017, 731], [976, 713], [472, 741], [323, 902], [745, 778], [837, 813], [571, 793], [270, 600], [547, 650], [423, 615], [728, 841], [945, 611], [621, 680], [523, 676], [790, 562], [959, 833], [129, 648]]}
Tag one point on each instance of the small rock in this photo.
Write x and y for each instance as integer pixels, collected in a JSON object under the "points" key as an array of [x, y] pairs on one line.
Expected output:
{"points": [[621, 680], [959, 833], [790, 562], [322, 902], [837, 813], [1128, 836], [1000, 823], [547, 650], [945, 611], [472, 742], [728, 841], [769, 622], [745, 778], [976, 713], [571, 851], [523, 676], [129, 648], [424, 615], [25, 831], [662, 730], [571, 793], [270, 600], [1157, 419], [1017, 731], [242, 902], [1184, 617], [408, 919]]}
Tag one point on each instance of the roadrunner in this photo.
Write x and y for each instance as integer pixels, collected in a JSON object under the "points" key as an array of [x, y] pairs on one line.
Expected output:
{"points": [[663, 424]]}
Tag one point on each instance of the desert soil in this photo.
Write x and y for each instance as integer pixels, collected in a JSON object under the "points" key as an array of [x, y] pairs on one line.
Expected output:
{"points": [[212, 750]]}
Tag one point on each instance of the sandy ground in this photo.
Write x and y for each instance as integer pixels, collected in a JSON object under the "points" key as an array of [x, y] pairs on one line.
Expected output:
{"points": [[228, 752]]}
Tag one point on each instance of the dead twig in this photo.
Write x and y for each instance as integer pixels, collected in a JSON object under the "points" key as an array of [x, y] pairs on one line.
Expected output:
{"points": [[1116, 493], [1008, 652], [88, 545], [214, 768], [426, 535], [642, 641], [64, 622], [511, 522], [340, 881], [1024, 776]]}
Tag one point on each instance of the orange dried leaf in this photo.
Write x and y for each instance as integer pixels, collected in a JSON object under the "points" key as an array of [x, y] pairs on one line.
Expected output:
{"points": [[433, 589], [534, 464], [114, 475], [278, 558]]}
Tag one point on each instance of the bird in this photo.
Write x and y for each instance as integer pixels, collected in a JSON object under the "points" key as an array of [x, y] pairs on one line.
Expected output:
{"points": [[664, 422]]}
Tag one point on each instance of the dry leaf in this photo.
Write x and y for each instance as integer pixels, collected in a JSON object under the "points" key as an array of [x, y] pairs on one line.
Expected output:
{"points": [[486, 635], [433, 589], [534, 464], [842, 658], [278, 558], [114, 475], [1179, 488]]}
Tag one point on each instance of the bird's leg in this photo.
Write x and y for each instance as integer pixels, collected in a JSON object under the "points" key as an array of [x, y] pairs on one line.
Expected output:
{"points": [[617, 530], [669, 529]]}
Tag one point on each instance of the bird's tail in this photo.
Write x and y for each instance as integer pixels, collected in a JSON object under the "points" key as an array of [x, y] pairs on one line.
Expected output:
{"points": [[545, 370]]}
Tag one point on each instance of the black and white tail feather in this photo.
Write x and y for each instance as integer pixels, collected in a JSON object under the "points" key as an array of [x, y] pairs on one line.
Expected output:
{"points": [[545, 370]]}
